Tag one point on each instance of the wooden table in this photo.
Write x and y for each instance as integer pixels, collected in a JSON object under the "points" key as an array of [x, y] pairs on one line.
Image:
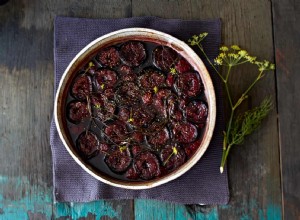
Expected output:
{"points": [[263, 173]]}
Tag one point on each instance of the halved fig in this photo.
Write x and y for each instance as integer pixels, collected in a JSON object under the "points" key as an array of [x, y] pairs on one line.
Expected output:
{"points": [[160, 101], [172, 157], [157, 124], [101, 107], [188, 84], [164, 57], [151, 78], [131, 173], [82, 87], [115, 132], [133, 53], [136, 149], [197, 112], [174, 110], [147, 98], [119, 160], [88, 144], [147, 165], [138, 137], [124, 114], [77, 111], [128, 93], [185, 132], [109, 57], [126, 74], [182, 66], [191, 148], [170, 80], [141, 116], [159, 138], [109, 93], [105, 78]]}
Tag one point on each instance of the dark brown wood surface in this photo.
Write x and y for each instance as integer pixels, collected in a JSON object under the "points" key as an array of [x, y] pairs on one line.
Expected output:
{"points": [[262, 27], [286, 17]]}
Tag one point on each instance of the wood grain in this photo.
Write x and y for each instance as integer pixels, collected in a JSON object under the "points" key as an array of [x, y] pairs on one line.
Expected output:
{"points": [[26, 78], [26, 82], [249, 24], [286, 16]]}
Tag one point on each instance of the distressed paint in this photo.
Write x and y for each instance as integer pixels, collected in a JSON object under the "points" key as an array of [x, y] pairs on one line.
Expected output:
{"points": [[272, 212], [21, 200], [78, 210], [152, 209], [212, 215]]}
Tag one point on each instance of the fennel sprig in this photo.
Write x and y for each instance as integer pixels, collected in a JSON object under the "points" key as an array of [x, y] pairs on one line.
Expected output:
{"points": [[238, 127]]}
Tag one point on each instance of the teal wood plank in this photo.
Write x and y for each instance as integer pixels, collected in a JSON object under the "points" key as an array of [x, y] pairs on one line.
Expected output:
{"points": [[19, 199], [92, 210], [152, 209]]}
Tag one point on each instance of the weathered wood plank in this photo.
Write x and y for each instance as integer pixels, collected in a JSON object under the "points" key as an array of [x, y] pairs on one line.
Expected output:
{"points": [[26, 79], [286, 16], [249, 24], [26, 74]]}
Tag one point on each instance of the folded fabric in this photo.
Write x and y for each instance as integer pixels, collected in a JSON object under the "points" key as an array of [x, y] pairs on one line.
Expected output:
{"points": [[203, 183]]}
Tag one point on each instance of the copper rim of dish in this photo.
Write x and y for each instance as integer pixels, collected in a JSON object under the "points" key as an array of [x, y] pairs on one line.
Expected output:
{"points": [[119, 36]]}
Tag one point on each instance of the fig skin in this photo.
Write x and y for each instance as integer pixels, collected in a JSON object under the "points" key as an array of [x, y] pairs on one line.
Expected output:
{"points": [[191, 148], [141, 116], [128, 94], [105, 78], [160, 101], [182, 66], [126, 74], [151, 78], [147, 165], [133, 53], [188, 84], [82, 87], [172, 158], [164, 57], [88, 144], [109, 57], [159, 138], [119, 160], [77, 111], [116, 132], [102, 108], [197, 112], [185, 132], [131, 173]]}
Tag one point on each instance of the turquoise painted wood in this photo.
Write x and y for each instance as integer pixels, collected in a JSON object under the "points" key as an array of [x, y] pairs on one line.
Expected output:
{"points": [[165, 210], [26, 82]]}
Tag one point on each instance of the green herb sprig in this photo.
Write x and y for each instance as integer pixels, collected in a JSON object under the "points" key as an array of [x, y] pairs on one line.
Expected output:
{"points": [[238, 127]]}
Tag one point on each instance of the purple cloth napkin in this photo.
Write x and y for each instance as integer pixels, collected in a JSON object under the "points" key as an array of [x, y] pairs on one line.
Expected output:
{"points": [[201, 184]]}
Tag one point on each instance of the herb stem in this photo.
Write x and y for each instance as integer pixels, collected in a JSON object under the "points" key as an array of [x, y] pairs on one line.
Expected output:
{"points": [[227, 88], [244, 95], [229, 126], [210, 63], [224, 157]]}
